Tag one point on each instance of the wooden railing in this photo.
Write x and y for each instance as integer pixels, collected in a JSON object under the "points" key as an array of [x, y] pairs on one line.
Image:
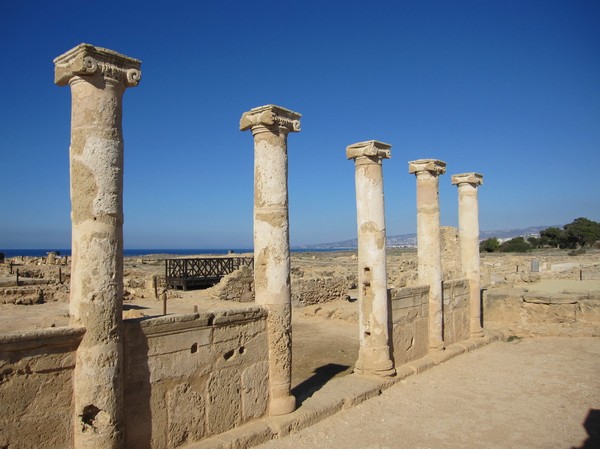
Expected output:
{"points": [[206, 271]]}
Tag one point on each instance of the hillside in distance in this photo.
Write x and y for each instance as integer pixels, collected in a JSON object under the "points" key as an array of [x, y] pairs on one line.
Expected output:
{"points": [[410, 240]]}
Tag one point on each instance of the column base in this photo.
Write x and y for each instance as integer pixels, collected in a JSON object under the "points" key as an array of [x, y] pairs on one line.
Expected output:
{"points": [[282, 405], [385, 369], [477, 334], [437, 346]]}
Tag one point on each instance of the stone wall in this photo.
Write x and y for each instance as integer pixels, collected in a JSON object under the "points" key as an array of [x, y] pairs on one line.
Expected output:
{"points": [[236, 286], [192, 376], [317, 290], [36, 370], [456, 310], [514, 311], [410, 323]]}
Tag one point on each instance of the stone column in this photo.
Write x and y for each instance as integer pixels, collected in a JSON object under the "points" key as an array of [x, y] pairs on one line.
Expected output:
{"points": [[468, 228], [429, 250], [98, 79], [270, 126], [374, 352]]}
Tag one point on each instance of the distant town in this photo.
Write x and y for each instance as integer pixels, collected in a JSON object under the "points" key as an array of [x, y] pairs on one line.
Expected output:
{"points": [[410, 240]]}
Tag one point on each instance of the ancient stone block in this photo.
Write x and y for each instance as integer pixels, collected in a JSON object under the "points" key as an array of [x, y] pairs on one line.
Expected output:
{"points": [[224, 401], [502, 306], [549, 313], [318, 290], [255, 390], [589, 311], [186, 417]]}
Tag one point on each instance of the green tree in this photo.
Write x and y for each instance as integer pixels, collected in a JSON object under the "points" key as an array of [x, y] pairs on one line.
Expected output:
{"points": [[489, 245], [516, 245], [535, 242], [582, 232], [553, 236]]}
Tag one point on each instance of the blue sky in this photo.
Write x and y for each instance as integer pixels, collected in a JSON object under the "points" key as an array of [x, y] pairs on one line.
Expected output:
{"points": [[510, 89]]}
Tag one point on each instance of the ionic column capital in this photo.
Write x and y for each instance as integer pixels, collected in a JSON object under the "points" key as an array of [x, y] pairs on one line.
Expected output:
{"points": [[372, 149], [434, 167], [475, 179], [270, 116], [85, 60]]}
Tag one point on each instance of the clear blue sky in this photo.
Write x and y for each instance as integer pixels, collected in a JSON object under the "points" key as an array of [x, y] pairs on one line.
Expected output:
{"points": [[510, 89]]}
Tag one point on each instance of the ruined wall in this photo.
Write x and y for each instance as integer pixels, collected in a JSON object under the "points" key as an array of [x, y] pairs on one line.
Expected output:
{"points": [[456, 310], [410, 323], [236, 286], [36, 370], [317, 290], [192, 376], [514, 311]]}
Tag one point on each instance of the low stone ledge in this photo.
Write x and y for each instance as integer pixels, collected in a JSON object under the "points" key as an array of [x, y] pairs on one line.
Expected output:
{"points": [[538, 298], [312, 410], [354, 388], [41, 338], [505, 293], [422, 364], [594, 295], [247, 435], [441, 356], [238, 315]]}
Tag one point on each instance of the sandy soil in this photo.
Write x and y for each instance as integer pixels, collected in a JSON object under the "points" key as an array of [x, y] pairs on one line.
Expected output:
{"points": [[533, 393]]}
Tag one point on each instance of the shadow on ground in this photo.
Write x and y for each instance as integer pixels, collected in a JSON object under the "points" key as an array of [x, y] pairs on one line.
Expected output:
{"points": [[320, 377]]}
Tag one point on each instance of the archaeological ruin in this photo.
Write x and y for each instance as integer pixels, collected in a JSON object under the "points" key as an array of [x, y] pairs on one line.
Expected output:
{"points": [[107, 375]]}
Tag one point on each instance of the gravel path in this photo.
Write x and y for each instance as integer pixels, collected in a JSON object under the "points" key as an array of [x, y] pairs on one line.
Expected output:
{"points": [[533, 393]]}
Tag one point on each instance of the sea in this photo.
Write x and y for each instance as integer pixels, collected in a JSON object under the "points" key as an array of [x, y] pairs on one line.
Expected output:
{"points": [[9, 253]]}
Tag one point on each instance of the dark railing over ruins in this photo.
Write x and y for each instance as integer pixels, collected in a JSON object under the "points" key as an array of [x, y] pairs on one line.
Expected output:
{"points": [[201, 272]]}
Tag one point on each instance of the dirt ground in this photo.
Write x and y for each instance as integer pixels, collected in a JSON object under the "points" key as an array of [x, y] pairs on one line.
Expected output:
{"points": [[527, 394]]}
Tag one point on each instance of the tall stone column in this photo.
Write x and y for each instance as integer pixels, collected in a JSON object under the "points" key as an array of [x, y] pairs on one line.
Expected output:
{"points": [[374, 352], [429, 252], [98, 79], [468, 228], [270, 126]]}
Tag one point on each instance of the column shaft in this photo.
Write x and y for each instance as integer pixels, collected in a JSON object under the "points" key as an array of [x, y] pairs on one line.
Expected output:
{"points": [[429, 253], [468, 225], [98, 79], [374, 355], [270, 126]]}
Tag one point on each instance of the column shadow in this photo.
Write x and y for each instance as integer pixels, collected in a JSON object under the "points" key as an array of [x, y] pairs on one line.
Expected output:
{"points": [[314, 383], [592, 427], [137, 388]]}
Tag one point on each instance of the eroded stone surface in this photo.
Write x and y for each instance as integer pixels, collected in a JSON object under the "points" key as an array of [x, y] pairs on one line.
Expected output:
{"points": [[427, 172], [98, 79], [468, 224], [374, 355], [270, 126]]}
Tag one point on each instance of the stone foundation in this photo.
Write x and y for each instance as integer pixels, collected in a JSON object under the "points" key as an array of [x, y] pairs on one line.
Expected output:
{"points": [[456, 310], [410, 323], [186, 377], [36, 374], [514, 311], [192, 376]]}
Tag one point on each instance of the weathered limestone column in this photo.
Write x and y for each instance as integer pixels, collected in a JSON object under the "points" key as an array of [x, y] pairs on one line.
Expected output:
{"points": [[98, 79], [468, 228], [429, 250], [374, 352], [270, 126]]}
